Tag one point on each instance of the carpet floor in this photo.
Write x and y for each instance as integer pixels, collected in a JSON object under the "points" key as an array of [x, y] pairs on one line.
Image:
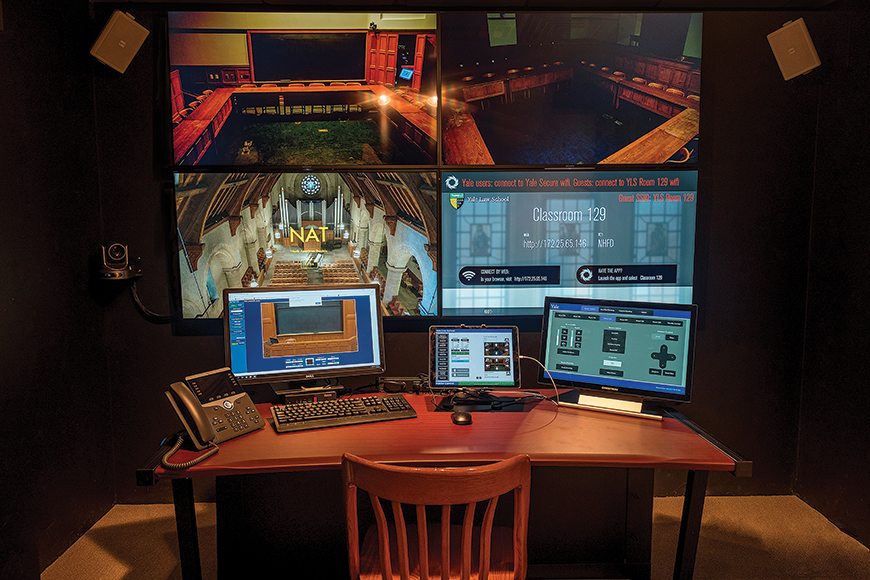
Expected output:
{"points": [[742, 538]]}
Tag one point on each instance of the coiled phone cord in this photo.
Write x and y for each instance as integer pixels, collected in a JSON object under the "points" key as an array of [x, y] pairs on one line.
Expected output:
{"points": [[178, 466]]}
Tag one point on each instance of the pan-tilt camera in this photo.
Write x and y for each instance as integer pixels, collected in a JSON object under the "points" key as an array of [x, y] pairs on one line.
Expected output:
{"points": [[116, 264]]}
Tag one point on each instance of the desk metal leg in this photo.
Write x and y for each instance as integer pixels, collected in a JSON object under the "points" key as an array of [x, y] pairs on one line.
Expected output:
{"points": [[185, 524], [638, 523], [690, 525]]}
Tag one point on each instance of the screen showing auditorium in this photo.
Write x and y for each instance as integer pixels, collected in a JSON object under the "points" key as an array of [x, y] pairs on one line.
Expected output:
{"points": [[511, 238], [307, 228], [565, 89], [303, 89]]}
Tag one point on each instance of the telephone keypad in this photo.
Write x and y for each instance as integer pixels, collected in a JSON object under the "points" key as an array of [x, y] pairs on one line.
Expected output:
{"points": [[233, 417]]}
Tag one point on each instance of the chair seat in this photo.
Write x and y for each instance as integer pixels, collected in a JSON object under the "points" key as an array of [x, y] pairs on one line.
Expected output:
{"points": [[502, 556]]}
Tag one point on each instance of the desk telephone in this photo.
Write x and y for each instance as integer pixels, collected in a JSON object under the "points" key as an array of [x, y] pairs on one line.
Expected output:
{"points": [[213, 408]]}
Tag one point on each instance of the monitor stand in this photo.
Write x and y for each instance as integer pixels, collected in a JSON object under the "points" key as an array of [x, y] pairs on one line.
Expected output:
{"points": [[319, 389], [630, 406], [479, 400]]}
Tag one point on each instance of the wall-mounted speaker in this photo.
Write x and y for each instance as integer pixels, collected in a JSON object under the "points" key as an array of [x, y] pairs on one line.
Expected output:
{"points": [[119, 41], [793, 49]]}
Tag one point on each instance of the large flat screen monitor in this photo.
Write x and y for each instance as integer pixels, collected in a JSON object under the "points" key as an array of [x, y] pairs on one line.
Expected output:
{"points": [[301, 335], [511, 238], [284, 89], [557, 89], [619, 351], [313, 228]]}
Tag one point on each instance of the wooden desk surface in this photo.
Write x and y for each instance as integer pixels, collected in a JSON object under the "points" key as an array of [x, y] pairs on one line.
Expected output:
{"points": [[551, 436]]}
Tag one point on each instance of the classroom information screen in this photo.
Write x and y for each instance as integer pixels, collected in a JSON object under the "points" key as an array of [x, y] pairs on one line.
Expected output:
{"points": [[511, 238]]}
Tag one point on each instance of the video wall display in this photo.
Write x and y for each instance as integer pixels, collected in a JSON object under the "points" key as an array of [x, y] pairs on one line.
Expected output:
{"points": [[351, 147], [529, 89], [307, 229]]}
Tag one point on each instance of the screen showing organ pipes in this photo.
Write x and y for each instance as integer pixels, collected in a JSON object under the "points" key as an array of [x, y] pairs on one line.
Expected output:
{"points": [[308, 228], [509, 239]]}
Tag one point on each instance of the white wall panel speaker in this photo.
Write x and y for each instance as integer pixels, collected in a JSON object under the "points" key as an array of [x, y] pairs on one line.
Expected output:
{"points": [[793, 49], [119, 41]]}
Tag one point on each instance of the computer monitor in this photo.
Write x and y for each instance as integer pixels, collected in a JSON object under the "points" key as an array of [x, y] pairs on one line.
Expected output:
{"points": [[297, 337], [617, 355]]}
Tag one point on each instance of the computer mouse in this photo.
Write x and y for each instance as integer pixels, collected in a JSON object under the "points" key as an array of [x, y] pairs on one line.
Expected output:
{"points": [[461, 417]]}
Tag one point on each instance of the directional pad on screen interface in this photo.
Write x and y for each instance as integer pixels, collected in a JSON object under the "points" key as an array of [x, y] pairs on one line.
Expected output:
{"points": [[663, 356]]}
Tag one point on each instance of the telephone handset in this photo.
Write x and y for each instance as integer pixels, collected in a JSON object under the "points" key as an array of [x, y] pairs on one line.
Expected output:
{"points": [[213, 409]]}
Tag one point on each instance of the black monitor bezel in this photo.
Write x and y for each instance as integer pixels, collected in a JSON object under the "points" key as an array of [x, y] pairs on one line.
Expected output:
{"points": [[593, 388]]}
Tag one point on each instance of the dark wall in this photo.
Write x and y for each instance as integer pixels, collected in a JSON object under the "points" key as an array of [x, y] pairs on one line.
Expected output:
{"points": [[56, 432], [85, 371], [755, 195], [833, 472], [144, 357]]}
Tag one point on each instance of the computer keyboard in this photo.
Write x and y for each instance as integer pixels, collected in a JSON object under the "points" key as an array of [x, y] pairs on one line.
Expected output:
{"points": [[301, 416]]}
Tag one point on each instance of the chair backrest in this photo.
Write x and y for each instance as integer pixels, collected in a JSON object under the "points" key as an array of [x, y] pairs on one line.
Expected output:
{"points": [[437, 486]]}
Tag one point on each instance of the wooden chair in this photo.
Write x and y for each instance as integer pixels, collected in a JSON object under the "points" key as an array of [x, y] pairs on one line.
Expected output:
{"points": [[400, 550]]}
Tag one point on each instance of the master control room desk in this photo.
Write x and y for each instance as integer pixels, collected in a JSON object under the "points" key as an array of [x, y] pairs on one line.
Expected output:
{"points": [[279, 496]]}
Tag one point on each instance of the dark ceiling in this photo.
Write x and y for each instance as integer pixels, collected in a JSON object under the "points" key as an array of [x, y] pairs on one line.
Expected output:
{"points": [[573, 5]]}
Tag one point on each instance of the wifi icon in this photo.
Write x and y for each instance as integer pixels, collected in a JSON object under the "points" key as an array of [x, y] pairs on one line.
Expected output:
{"points": [[467, 275]]}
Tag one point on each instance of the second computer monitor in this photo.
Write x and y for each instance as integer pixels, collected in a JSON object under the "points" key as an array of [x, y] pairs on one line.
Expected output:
{"points": [[642, 351]]}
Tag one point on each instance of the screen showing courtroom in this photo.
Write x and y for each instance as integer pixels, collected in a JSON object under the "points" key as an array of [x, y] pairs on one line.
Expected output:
{"points": [[303, 89]]}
